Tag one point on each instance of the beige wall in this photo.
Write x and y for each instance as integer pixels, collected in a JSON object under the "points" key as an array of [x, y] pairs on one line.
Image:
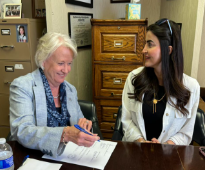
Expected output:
{"points": [[57, 20], [201, 63], [185, 12]]}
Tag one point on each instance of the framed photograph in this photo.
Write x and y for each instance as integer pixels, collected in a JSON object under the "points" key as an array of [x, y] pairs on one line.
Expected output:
{"points": [[3, 2], [21, 33], [12, 11], [80, 28], [84, 3], [38, 13], [119, 1]]}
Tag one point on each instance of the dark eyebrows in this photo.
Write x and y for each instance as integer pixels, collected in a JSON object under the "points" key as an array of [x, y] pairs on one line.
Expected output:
{"points": [[148, 41]]}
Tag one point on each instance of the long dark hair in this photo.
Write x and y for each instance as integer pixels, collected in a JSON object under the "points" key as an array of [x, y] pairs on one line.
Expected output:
{"points": [[24, 32], [172, 69]]}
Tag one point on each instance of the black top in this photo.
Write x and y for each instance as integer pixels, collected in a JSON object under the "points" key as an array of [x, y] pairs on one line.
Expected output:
{"points": [[154, 121], [58, 109]]}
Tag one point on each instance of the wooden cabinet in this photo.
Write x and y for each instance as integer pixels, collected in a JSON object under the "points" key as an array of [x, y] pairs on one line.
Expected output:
{"points": [[116, 50], [16, 59]]}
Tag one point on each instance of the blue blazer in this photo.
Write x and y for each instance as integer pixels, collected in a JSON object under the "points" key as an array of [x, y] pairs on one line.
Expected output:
{"points": [[28, 114]]}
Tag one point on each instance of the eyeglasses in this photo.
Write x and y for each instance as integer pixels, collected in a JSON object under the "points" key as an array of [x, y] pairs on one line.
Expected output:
{"points": [[159, 22]]}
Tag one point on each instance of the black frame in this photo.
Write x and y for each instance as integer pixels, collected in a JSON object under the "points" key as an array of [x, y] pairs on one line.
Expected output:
{"points": [[84, 4], [119, 1], [69, 25]]}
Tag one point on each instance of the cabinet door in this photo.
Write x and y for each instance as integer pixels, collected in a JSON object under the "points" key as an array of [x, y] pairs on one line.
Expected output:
{"points": [[110, 79], [119, 43], [10, 48], [107, 114], [11, 70]]}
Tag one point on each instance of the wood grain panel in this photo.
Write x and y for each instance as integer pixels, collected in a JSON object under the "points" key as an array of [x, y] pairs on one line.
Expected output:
{"points": [[107, 126], [109, 114], [119, 43], [114, 79], [102, 70]]}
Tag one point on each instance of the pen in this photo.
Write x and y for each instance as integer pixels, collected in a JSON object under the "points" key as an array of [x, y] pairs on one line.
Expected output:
{"points": [[83, 130]]}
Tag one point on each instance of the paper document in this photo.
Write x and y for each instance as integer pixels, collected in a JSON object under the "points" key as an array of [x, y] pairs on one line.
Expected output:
{"points": [[33, 164], [95, 156]]}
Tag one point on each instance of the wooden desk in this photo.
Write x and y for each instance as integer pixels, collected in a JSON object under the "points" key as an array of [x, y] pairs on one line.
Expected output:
{"points": [[132, 156]]}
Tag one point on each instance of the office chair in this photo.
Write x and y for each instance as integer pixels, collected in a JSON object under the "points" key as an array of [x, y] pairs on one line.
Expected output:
{"points": [[118, 133], [89, 111], [199, 128]]}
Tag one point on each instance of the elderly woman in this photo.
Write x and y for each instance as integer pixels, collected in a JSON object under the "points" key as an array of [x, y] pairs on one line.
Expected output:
{"points": [[43, 106]]}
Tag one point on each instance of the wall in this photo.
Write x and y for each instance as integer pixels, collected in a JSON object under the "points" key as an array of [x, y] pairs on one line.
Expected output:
{"points": [[185, 12], [57, 20], [201, 62]]}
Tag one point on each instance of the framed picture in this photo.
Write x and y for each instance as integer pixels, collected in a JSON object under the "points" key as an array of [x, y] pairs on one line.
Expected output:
{"points": [[38, 13], [119, 1], [84, 3], [80, 28], [3, 2], [12, 11]]}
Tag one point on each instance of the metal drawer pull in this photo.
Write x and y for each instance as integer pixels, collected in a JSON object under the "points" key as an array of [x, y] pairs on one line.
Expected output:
{"points": [[112, 128], [113, 94], [113, 58], [7, 82], [118, 43], [114, 115], [7, 46], [117, 80]]}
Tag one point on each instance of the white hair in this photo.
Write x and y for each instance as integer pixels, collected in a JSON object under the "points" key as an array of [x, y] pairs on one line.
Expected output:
{"points": [[49, 43]]}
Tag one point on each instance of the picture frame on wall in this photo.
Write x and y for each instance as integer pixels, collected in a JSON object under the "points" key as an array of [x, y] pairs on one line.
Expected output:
{"points": [[119, 1], [80, 28], [84, 3], [12, 11]]}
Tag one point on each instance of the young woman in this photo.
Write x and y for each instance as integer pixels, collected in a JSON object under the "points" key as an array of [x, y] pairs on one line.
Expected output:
{"points": [[22, 34], [160, 102]]}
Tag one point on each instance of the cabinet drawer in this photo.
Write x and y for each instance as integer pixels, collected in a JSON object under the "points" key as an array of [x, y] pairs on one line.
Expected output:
{"points": [[116, 43], [4, 106], [11, 49], [110, 79], [11, 70], [109, 114], [107, 126], [119, 43]]}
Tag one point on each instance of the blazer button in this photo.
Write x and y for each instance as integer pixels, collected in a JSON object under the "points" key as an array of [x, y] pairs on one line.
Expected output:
{"points": [[164, 131], [167, 114]]}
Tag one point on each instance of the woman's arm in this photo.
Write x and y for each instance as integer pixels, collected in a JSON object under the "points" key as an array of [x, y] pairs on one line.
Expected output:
{"points": [[130, 129]]}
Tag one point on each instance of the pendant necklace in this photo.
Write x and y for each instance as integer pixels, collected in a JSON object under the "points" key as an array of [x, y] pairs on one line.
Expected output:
{"points": [[56, 96], [155, 103]]}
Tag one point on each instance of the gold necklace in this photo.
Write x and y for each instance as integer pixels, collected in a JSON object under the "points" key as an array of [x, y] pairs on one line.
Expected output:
{"points": [[155, 103]]}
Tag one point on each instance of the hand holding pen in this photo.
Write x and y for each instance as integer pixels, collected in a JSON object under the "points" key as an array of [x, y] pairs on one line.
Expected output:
{"points": [[71, 133]]}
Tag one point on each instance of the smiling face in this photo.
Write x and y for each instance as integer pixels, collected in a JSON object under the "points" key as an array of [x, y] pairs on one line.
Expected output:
{"points": [[152, 51], [58, 65], [21, 31]]}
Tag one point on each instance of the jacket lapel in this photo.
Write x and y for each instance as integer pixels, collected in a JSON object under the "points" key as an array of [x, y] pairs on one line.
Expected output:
{"points": [[40, 99]]}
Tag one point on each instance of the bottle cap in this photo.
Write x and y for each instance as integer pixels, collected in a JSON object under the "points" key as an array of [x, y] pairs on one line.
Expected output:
{"points": [[2, 140]]}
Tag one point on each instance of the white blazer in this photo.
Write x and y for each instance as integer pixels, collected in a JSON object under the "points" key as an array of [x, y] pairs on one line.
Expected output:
{"points": [[176, 127]]}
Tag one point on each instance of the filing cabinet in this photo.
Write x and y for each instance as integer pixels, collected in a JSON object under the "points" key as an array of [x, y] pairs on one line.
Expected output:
{"points": [[116, 50], [16, 58]]}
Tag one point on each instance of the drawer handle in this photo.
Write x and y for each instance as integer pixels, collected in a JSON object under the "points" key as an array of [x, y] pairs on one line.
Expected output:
{"points": [[118, 43], [114, 115], [117, 80], [113, 58], [7, 82], [7, 46], [113, 94], [112, 128]]}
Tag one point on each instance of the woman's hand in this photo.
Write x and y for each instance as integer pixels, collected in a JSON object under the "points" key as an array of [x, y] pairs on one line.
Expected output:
{"points": [[142, 140], [85, 123], [154, 140], [78, 137]]}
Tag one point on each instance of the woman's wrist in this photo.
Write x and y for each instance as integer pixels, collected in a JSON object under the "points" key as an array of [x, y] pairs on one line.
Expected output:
{"points": [[63, 135], [140, 140]]}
